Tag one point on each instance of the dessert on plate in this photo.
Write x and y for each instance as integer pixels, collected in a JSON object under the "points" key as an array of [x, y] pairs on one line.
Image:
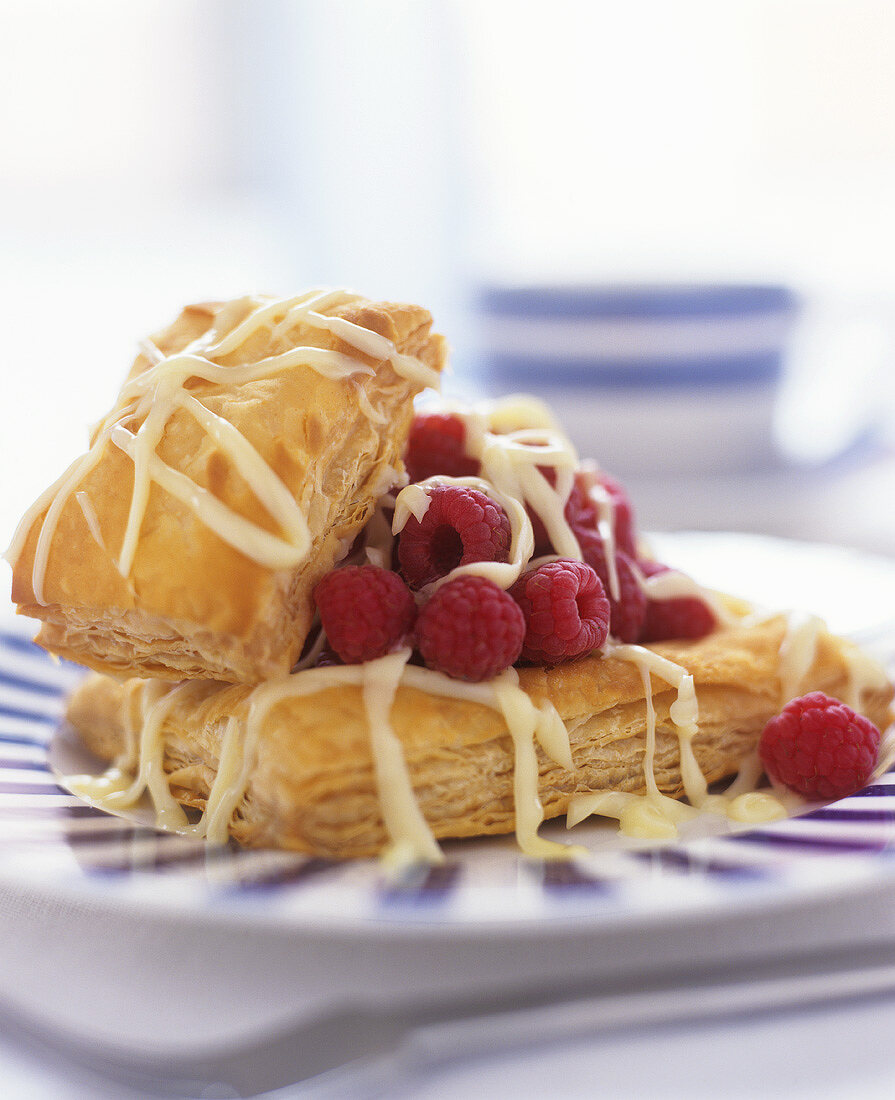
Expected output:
{"points": [[321, 620]]}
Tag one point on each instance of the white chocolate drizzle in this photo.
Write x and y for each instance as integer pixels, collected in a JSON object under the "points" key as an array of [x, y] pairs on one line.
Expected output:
{"points": [[654, 815], [606, 529], [90, 516], [413, 500], [157, 392], [115, 790], [229, 786], [410, 838], [522, 719], [510, 439], [797, 652], [673, 584], [864, 675]]}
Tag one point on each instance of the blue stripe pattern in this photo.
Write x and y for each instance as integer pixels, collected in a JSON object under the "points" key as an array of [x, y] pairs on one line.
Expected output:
{"points": [[637, 301], [426, 887], [22, 739], [37, 687], [12, 787], [735, 371], [845, 816], [684, 860], [814, 843], [57, 813], [28, 715], [37, 822], [566, 877], [23, 765], [677, 337], [19, 644]]}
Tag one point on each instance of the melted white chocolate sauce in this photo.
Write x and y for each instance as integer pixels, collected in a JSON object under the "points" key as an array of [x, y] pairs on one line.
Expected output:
{"points": [[655, 815], [410, 837], [797, 652]]}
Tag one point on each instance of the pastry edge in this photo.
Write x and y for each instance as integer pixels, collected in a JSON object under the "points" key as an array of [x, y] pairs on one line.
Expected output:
{"points": [[328, 805]]}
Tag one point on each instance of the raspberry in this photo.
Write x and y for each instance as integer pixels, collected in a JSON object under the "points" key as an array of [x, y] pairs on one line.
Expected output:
{"points": [[471, 629], [436, 445], [366, 611], [677, 617], [566, 611], [819, 747], [460, 526], [629, 610]]}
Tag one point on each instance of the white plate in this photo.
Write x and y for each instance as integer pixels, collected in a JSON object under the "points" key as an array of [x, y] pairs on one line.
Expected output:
{"points": [[476, 917]]}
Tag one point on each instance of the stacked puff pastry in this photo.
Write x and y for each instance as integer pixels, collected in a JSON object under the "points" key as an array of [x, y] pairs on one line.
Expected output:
{"points": [[193, 606]]}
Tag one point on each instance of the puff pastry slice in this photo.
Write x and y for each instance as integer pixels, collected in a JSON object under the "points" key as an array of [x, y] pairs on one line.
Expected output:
{"points": [[312, 785], [247, 448]]}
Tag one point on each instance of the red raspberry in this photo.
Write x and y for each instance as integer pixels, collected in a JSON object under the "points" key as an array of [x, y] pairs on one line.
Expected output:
{"points": [[460, 526], [629, 610], [678, 617], [819, 747], [366, 611], [471, 629], [436, 445], [566, 611]]}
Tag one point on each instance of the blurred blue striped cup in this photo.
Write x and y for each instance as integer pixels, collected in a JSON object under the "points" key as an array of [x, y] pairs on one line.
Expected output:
{"points": [[647, 378]]}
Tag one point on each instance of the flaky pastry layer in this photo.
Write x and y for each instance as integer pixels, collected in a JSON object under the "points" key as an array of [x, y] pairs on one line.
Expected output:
{"points": [[312, 787], [193, 605]]}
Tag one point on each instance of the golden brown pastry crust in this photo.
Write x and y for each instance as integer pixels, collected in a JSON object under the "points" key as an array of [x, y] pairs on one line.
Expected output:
{"points": [[193, 606], [312, 786]]}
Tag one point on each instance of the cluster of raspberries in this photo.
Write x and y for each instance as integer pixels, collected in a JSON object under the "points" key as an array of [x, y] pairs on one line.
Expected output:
{"points": [[469, 627]]}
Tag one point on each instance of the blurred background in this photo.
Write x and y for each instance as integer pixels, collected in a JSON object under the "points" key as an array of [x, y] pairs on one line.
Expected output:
{"points": [[674, 221]]}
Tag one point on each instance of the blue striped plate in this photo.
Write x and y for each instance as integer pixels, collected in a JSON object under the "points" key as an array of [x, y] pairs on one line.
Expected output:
{"points": [[51, 841]]}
